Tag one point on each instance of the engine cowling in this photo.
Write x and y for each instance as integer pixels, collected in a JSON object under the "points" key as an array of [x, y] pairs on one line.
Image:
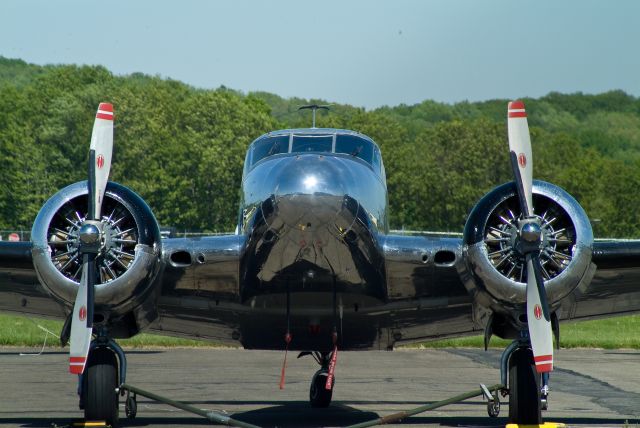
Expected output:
{"points": [[128, 265], [495, 273]]}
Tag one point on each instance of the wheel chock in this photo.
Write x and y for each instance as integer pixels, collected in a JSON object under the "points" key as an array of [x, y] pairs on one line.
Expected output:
{"points": [[544, 425], [90, 424]]}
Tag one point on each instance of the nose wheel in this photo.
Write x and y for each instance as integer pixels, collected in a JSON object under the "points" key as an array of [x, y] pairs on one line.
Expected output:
{"points": [[319, 395]]}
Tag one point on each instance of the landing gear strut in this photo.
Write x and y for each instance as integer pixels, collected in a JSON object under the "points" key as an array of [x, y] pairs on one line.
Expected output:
{"points": [[319, 395], [528, 390], [98, 385]]}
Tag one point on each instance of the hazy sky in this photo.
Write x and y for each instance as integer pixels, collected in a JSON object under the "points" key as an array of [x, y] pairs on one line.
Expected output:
{"points": [[362, 52]]}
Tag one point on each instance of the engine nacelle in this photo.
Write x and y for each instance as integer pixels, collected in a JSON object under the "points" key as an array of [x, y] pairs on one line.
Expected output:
{"points": [[495, 273], [128, 265]]}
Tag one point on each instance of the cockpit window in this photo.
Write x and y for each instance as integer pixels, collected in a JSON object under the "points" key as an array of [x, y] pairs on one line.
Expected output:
{"points": [[269, 146], [345, 144], [355, 146], [377, 162], [312, 143]]}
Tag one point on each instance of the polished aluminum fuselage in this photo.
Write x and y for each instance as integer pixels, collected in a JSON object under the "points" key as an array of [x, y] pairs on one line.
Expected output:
{"points": [[312, 222]]}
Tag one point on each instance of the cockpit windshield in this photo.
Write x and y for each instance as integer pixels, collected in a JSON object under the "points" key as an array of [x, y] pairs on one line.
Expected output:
{"points": [[311, 143], [340, 142], [269, 146], [354, 146]]}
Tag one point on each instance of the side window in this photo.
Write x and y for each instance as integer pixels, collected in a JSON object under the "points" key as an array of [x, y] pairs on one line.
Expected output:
{"points": [[247, 162], [269, 146], [376, 161], [311, 143], [355, 146]]}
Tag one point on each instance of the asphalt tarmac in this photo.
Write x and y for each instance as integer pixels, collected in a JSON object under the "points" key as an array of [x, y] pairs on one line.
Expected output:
{"points": [[594, 388]]}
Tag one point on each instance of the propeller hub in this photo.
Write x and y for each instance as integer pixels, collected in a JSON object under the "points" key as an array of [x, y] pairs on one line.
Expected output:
{"points": [[89, 234], [90, 237], [531, 232]]}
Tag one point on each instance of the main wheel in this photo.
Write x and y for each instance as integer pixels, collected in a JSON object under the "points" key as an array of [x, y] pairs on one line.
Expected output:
{"points": [[319, 396], [524, 389], [99, 384]]}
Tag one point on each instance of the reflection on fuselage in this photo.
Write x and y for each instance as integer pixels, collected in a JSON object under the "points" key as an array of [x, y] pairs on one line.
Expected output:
{"points": [[312, 221]]}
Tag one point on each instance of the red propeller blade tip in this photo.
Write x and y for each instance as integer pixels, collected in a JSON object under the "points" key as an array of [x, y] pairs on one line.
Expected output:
{"points": [[76, 364], [516, 109], [105, 111], [544, 363]]}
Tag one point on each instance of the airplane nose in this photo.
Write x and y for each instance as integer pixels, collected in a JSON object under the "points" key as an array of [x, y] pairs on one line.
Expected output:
{"points": [[310, 192], [310, 174]]}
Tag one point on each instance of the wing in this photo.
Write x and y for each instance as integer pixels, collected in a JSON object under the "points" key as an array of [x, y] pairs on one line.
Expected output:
{"points": [[427, 296], [20, 290], [433, 293], [199, 292], [196, 274], [615, 288]]}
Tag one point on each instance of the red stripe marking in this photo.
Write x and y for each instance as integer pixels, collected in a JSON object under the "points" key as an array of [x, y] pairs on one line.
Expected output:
{"points": [[76, 364], [517, 114], [104, 116], [542, 358], [76, 369], [106, 107], [544, 368], [516, 105]]}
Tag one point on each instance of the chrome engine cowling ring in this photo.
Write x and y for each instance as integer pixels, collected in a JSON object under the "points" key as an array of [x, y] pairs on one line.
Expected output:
{"points": [[482, 272]]}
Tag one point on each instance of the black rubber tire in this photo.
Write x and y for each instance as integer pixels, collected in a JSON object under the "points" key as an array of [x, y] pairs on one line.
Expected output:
{"points": [[100, 381], [319, 396], [524, 389]]}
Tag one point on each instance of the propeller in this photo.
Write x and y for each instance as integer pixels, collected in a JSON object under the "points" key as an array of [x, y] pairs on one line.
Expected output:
{"points": [[530, 239], [91, 237]]}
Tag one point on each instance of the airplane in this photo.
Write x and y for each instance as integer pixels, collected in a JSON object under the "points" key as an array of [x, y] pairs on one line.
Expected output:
{"points": [[314, 268]]}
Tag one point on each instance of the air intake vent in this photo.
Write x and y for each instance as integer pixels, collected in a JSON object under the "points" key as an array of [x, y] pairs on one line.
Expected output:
{"points": [[444, 258], [180, 259]]}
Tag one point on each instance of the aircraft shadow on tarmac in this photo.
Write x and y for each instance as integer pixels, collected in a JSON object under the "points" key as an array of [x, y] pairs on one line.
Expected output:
{"points": [[300, 414]]}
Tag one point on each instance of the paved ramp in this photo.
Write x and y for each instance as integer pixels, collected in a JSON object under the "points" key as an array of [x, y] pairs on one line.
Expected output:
{"points": [[588, 388]]}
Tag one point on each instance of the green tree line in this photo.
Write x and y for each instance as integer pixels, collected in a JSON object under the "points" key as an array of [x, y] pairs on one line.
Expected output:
{"points": [[182, 148]]}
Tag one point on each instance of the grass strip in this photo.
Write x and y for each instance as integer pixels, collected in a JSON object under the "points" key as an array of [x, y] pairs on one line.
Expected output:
{"points": [[610, 333]]}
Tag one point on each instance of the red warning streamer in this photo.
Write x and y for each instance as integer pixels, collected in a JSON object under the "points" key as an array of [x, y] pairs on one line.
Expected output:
{"points": [[287, 340], [332, 368]]}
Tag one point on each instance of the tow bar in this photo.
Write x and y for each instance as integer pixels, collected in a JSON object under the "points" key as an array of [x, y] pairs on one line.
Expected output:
{"points": [[395, 417], [491, 393], [210, 415]]}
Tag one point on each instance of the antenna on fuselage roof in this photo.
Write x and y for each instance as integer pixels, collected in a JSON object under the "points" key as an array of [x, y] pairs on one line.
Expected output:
{"points": [[314, 107]]}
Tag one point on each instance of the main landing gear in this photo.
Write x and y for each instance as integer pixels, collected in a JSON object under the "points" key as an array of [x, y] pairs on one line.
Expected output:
{"points": [[319, 395], [98, 387], [528, 390]]}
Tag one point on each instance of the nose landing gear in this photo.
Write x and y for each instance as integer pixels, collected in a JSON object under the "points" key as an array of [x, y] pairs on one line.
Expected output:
{"points": [[319, 395]]}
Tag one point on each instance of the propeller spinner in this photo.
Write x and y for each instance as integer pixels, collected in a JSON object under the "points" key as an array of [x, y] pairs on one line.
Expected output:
{"points": [[530, 238], [91, 237]]}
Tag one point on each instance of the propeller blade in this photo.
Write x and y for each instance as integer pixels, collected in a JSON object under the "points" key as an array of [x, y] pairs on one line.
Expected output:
{"points": [[538, 319], [521, 160], [99, 167], [100, 158], [82, 320]]}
